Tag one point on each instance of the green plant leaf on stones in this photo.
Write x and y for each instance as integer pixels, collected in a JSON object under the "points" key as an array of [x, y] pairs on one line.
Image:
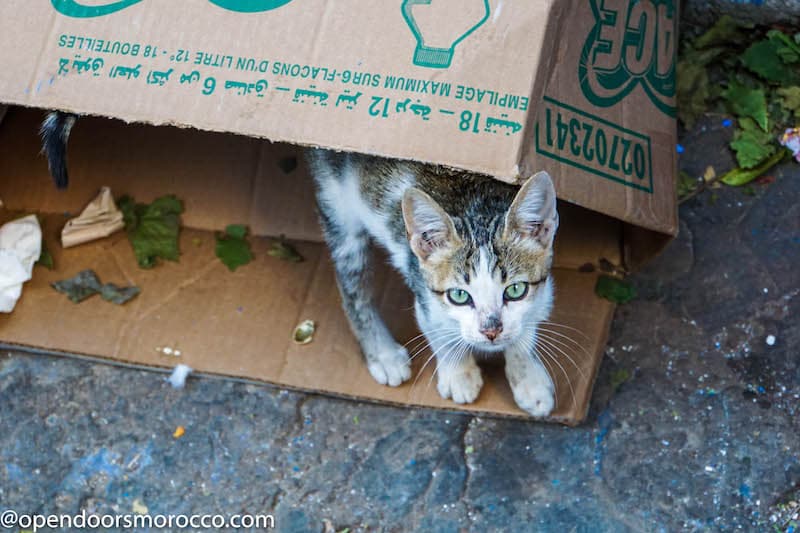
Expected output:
{"points": [[751, 144], [153, 229], [790, 99], [86, 284], [764, 58], [751, 73], [693, 91], [686, 184], [746, 102], [232, 247], [724, 32], [619, 377], [614, 289], [740, 176], [693, 88]]}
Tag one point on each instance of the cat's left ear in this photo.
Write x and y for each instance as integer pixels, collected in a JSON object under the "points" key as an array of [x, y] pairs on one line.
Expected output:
{"points": [[429, 228], [533, 213]]}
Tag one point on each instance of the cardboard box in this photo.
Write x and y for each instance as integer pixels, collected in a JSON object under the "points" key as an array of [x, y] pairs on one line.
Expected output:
{"points": [[582, 88]]}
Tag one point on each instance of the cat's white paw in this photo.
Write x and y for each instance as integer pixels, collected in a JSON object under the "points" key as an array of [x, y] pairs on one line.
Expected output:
{"points": [[391, 366], [535, 395], [462, 384]]}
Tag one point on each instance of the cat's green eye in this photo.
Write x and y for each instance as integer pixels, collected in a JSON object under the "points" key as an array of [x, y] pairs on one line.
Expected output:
{"points": [[459, 297], [515, 291]]}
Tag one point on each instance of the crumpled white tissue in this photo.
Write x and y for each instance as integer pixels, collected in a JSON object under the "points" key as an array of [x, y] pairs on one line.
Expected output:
{"points": [[178, 377], [20, 246]]}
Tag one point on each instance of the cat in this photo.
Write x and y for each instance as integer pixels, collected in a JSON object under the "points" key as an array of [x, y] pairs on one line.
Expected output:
{"points": [[475, 252]]}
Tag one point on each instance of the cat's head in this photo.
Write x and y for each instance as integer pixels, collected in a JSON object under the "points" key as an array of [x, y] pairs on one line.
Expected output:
{"points": [[488, 278]]}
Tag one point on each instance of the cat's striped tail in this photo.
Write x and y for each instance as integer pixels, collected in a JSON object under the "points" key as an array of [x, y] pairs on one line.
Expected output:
{"points": [[55, 134]]}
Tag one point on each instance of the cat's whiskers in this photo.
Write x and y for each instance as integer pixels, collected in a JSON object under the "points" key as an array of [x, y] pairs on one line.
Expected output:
{"points": [[445, 337], [449, 362], [542, 349], [428, 335], [550, 343], [450, 342], [530, 348], [566, 338], [412, 340], [557, 324]]}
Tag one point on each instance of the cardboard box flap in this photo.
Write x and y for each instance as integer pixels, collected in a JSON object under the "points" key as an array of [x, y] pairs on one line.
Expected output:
{"points": [[484, 85], [240, 323], [348, 75], [605, 129]]}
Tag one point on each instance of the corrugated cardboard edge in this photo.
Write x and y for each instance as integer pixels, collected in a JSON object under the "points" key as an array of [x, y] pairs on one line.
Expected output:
{"points": [[161, 369]]}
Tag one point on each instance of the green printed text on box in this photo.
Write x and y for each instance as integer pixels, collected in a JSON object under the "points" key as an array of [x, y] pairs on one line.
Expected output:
{"points": [[593, 144]]}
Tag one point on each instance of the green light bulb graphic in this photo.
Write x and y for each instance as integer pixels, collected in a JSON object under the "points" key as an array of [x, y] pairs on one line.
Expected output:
{"points": [[439, 25]]}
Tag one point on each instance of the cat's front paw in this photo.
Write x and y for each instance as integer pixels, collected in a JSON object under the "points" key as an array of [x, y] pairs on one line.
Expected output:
{"points": [[390, 366], [463, 384], [535, 396]]}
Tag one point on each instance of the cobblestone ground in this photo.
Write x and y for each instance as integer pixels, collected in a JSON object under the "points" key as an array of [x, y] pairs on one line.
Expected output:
{"points": [[702, 433]]}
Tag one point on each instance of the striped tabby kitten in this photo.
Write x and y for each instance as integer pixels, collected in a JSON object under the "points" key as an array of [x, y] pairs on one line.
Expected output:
{"points": [[475, 252]]}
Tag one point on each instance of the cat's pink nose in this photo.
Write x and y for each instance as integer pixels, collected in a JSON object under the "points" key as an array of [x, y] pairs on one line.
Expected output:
{"points": [[493, 332]]}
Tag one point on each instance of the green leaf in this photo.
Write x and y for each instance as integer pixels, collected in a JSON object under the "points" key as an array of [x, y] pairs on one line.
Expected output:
{"points": [[614, 289], [619, 377], [752, 146], [738, 176], [725, 31], [763, 59], [284, 250], [237, 231], [45, 257], [86, 284], [686, 184], [692, 91], [745, 102], [789, 50], [790, 99], [233, 248], [153, 229]]}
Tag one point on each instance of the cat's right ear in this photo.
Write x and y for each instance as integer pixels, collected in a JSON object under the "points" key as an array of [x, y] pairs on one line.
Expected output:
{"points": [[429, 228]]}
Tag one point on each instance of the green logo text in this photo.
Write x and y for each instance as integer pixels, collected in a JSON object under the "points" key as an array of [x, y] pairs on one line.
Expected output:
{"points": [[73, 8], [631, 43]]}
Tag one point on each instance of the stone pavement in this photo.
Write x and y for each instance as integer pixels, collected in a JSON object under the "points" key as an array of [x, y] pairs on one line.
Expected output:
{"points": [[694, 425]]}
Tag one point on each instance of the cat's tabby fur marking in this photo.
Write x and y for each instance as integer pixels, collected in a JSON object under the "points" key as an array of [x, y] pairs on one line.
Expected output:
{"points": [[475, 252]]}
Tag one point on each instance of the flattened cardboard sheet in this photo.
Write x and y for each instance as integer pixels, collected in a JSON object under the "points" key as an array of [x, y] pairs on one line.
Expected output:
{"points": [[240, 323]]}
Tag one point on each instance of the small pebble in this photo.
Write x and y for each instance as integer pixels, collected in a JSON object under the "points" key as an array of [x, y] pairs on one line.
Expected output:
{"points": [[771, 340]]}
